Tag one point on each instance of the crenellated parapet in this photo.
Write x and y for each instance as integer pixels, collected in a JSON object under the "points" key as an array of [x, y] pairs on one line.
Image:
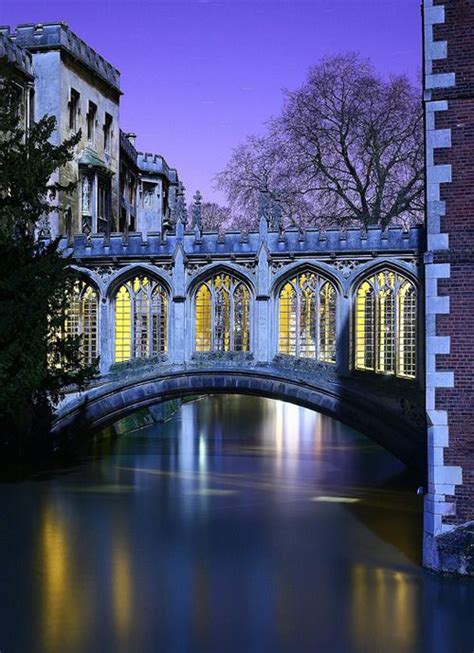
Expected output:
{"points": [[13, 55], [210, 244], [50, 36], [155, 164]]}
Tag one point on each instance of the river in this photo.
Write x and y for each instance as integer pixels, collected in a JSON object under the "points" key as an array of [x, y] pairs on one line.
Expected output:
{"points": [[240, 524]]}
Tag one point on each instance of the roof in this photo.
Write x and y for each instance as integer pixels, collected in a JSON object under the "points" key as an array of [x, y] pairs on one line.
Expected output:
{"points": [[53, 36]]}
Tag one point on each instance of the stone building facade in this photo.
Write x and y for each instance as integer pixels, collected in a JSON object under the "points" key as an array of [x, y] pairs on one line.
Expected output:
{"points": [[449, 110], [62, 76]]}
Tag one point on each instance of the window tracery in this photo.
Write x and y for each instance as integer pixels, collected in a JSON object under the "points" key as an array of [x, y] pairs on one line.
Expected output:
{"points": [[386, 324], [307, 318], [141, 319], [82, 319], [222, 320]]}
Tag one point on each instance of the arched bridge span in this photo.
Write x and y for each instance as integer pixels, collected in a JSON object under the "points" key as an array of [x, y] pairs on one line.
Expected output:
{"points": [[385, 419]]}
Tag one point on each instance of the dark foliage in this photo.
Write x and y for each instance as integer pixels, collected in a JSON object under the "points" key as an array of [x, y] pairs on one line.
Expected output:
{"points": [[37, 360]]}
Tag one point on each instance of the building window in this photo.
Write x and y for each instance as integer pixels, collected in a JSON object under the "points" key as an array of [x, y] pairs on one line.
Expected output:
{"points": [[31, 107], [86, 186], [307, 318], [81, 320], [91, 120], [103, 204], [73, 109], [107, 132], [386, 325], [141, 318], [222, 320]]}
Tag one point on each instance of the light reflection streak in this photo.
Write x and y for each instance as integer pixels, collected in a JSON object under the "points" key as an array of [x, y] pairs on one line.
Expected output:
{"points": [[334, 499], [383, 601], [64, 613], [122, 586]]}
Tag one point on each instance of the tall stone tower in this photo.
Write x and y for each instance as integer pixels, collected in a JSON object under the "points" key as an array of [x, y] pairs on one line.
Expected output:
{"points": [[449, 269]]}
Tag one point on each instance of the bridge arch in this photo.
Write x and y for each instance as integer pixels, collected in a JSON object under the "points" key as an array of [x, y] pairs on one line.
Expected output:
{"points": [[105, 404]]}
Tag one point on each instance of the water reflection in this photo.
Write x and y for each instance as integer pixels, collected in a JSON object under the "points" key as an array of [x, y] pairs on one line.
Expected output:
{"points": [[241, 524]]}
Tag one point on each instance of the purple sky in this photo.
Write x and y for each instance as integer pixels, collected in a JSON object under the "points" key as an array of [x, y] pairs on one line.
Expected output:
{"points": [[199, 75]]}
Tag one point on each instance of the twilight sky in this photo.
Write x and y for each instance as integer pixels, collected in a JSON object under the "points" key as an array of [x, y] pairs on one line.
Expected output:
{"points": [[199, 75]]}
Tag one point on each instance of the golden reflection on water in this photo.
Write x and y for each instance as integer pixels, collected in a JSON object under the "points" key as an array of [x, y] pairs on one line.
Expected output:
{"points": [[384, 601], [122, 585], [64, 611], [381, 600]]}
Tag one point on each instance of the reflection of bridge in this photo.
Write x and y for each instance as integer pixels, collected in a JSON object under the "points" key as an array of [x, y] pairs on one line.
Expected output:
{"points": [[327, 320], [366, 407]]}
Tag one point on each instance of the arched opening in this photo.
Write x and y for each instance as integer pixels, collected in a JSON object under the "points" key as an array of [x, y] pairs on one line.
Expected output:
{"points": [[307, 317], [385, 324], [222, 315], [141, 319]]}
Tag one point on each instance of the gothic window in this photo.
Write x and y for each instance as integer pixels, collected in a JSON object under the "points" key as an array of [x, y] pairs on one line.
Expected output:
{"points": [[327, 323], [91, 119], [148, 193], [86, 185], [103, 204], [82, 318], [385, 325], [222, 320], [68, 221], [107, 132], [307, 318], [141, 319], [73, 108]]}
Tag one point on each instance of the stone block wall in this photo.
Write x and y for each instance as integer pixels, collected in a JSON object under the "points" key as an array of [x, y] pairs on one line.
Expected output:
{"points": [[449, 102]]}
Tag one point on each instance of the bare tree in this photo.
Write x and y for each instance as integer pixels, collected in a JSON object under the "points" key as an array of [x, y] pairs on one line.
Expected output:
{"points": [[214, 217], [347, 148], [261, 164]]}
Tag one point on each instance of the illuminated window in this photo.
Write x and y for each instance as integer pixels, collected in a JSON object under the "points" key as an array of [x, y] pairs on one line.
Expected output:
{"points": [[222, 320], [307, 318], [81, 319], [141, 318], [385, 325]]}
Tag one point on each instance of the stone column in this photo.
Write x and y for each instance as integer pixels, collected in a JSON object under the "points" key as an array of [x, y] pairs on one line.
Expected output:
{"points": [[177, 319], [106, 344], [343, 336], [262, 331]]}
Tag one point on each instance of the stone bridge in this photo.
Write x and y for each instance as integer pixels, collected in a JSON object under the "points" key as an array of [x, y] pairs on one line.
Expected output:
{"points": [[326, 319], [381, 413]]}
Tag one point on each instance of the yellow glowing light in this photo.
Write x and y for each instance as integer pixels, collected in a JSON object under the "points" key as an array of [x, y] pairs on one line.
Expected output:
{"points": [[141, 315], [222, 312], [123, 316], [82, 319], [212, 492], [122, 587], [323, 499], [385, 325], [203, 319]]}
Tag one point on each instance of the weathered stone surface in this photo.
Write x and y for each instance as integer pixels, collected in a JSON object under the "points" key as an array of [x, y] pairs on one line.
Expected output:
{"points": [[453, 552], [343, 399]]}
